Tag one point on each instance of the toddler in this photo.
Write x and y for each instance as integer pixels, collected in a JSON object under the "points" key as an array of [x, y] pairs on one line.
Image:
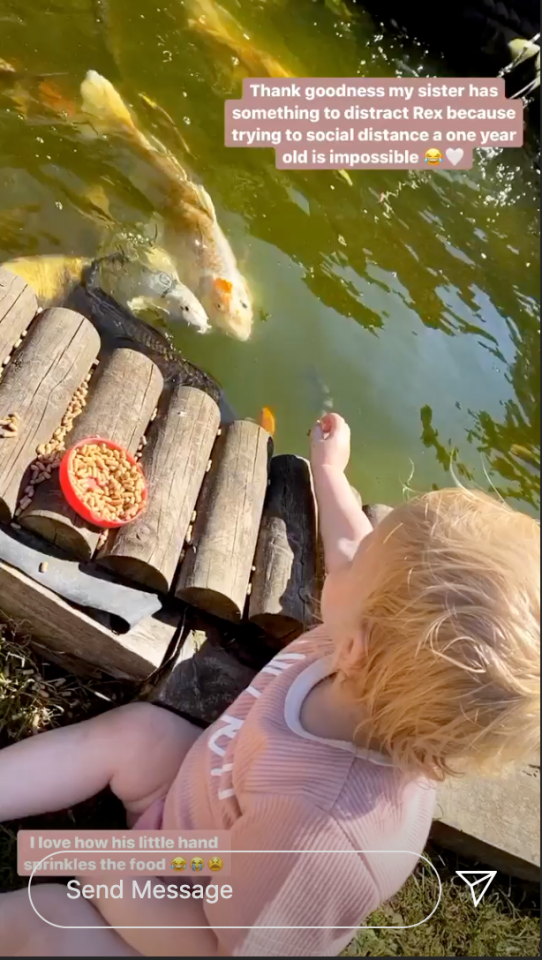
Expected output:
{"points": [[426, 665]]}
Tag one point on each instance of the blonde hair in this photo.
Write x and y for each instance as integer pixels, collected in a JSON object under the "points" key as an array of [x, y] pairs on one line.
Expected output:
{"points": [[450, 677]]}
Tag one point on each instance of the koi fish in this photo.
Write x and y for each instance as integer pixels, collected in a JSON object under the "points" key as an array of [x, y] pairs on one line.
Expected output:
{"points": [[267, 420], [6, 67], [147, 284], [51, 277], [217, 24], [203, 256], [150, 287]]}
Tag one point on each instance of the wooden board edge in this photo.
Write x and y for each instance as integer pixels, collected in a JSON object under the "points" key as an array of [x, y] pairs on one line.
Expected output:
{"points": [[39, 613]]}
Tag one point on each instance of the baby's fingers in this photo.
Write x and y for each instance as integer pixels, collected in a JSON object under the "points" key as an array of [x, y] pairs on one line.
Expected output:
{"points": [[328, 427], [332, 423], [315, 433]]}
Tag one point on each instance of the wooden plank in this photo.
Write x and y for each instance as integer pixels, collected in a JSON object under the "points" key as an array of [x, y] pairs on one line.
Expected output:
{"points": [[175, 460], [216, 570], [38, 385], [119, 407], [284, 591], [18, 307], [61, 629], [495, 820]]}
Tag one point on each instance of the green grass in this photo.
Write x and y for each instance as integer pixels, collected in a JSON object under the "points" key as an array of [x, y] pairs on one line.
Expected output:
{"points": [[505, 924], [36, 696]]}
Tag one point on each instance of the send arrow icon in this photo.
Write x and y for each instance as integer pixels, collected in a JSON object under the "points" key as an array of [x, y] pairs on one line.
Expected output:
{"points": [[474, 878]]}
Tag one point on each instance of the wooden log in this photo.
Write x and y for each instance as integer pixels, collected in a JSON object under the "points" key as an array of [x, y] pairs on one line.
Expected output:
{"points": [[206, 673], [119, 408], [18, 307], [60, 629], [215, 572], [174, 461], [38, 387], [283, 597]]}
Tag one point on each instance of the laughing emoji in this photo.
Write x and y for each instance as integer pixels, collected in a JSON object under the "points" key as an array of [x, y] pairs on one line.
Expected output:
{"points": [[178, 864], [433, 157]]}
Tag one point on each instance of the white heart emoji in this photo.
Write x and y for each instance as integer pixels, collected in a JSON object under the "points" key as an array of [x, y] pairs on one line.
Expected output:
{"points": [[454, 155]]}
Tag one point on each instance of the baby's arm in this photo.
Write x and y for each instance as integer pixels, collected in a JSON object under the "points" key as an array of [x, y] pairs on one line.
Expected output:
{"points": [[343, 523]]}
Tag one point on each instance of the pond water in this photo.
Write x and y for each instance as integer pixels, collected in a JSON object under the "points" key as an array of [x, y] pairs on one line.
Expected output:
{"points": [[408, 301]]}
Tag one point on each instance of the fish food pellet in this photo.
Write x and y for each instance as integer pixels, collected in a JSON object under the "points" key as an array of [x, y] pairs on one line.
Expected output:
{"points": [[9, 426], [107, 482], [48, 455]]}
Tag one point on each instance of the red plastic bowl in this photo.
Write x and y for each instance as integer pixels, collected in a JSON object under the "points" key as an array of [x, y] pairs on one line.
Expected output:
{"points": [[73, 499]]}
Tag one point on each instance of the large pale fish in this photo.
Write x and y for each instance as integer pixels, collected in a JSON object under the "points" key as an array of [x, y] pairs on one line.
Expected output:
{"points": [[203, 256], [151, 287], [147, 284], [76, 282]]}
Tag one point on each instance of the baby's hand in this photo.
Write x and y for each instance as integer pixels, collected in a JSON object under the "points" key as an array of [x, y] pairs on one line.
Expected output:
{"points": [[330, 442]]}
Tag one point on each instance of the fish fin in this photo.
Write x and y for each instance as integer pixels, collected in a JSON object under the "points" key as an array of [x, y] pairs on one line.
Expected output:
{"points": [[97, 196], [346, 177], [202, 199], [201, 27], [21, 99], [137, 304], [168, 118], [159, 259], [6, 67], [103, 102], [106, 110], [274, 68]]}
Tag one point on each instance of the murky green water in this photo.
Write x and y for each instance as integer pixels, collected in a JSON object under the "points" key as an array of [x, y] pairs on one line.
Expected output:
{"points": [[413, 298]]}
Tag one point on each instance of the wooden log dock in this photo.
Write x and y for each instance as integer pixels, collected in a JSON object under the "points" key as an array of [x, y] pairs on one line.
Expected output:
{"points": [[229, 530]]}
